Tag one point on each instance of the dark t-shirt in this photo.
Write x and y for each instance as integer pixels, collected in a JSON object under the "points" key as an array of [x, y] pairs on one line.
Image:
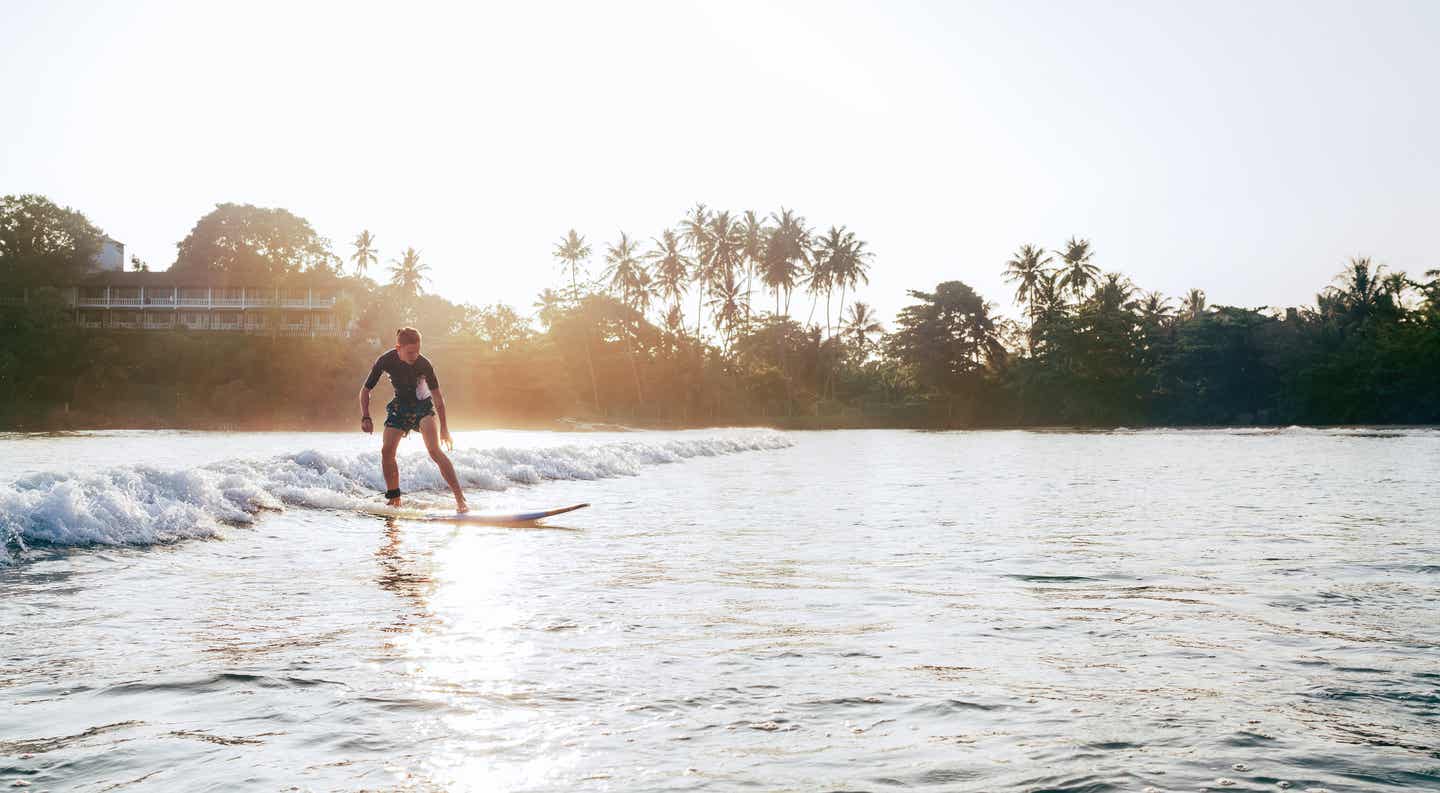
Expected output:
{"points": [[405, 377]]}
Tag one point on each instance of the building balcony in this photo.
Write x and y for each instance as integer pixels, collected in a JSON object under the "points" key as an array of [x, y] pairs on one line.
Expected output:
{"points": [[91, 323], [153, 325], [124, 323], [190, 298]]}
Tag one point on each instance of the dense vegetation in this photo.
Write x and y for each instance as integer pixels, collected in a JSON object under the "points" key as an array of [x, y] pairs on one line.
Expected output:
{"points": [[695, 326]]}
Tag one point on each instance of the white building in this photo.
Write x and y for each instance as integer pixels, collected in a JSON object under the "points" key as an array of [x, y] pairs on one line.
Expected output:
{"points": [[110, 297], [111, 257], [203, 301]]}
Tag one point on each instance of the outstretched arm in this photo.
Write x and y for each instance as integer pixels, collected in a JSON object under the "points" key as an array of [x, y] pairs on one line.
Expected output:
{"points": [[440, 414]]}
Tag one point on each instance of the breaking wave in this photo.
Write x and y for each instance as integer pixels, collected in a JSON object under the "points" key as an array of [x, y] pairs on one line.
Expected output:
{"points": [[143, 505]]}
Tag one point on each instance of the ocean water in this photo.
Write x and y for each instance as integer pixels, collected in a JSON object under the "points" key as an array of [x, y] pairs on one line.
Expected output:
{"points": [[739, 610]]}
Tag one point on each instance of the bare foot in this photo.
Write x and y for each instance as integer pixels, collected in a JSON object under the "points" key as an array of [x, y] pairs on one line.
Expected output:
{"points": [[461, 507], [394, 502]]}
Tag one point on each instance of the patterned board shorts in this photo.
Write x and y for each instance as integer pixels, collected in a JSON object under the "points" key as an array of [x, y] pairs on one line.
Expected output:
{"points": [[406, 417]]}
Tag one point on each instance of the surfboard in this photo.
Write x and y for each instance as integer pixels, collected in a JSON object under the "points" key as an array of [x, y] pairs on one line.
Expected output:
{"points": [[517, 518]]}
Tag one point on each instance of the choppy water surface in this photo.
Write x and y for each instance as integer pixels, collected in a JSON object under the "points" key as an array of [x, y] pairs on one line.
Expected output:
{"points": [[1236, 610]]}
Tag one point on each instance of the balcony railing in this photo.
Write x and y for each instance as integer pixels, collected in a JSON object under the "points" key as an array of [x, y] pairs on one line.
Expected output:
{"points": [[195, 301], [159, 325], [124, 323]]}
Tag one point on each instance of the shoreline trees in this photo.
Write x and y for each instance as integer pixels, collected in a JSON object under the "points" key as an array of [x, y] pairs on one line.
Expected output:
{"points": [[1090, 347]]}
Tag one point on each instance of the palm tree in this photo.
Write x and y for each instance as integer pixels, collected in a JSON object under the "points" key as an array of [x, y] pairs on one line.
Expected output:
{"points": [[1049, 296], [1359, 287], [675, 320], [838, 260], [629, 278], [1113, 292], [1154, 310], [982, 334], [1193, 304], [695, 232], [860, 327], [1077, 272], [571, 250], [1431, 290], [816, 279], [728, 305], [727, 251], [851, 269], [549, 305], [365, 253], [827, 257], [786, 255], [1329, 307], [672, 267], [1047, 302], [626, 272], [754, 231], [409, 274], [1025, 270], [1393, 287]]}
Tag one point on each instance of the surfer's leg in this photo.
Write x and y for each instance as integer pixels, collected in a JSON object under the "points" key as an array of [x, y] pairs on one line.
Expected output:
{"points": [[430, 430], [388, 464]]}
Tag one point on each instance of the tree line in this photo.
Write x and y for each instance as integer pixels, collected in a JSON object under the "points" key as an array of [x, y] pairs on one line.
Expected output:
{"points": [[699, 323]]}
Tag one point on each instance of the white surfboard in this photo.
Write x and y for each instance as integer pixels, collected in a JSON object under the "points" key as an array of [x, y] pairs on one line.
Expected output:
{"points": [[514, 519]]}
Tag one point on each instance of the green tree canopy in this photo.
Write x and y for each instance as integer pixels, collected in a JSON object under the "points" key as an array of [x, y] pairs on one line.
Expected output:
{"points": [[254, 242], [42, 243], [949, 336]]}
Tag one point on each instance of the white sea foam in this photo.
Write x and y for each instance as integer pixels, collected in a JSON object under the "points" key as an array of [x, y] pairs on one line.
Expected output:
{"points": [[141, 505]]}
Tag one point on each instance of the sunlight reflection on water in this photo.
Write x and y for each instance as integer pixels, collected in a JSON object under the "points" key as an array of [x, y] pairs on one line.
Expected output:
{"points": [[967, 611]]}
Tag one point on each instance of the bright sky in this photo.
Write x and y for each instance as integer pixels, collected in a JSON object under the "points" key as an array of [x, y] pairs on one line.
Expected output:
{"points": [[1244, 148]]}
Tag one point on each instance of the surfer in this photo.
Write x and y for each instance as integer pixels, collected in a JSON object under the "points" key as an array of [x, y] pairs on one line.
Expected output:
{"points": [[416, 405]]}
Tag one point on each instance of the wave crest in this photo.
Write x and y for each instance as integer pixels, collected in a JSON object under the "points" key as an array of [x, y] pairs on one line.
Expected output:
{"points": [[142, 505]]}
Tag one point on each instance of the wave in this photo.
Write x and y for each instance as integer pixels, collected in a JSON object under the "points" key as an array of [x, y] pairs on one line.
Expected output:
{"points": [[143, 505]]}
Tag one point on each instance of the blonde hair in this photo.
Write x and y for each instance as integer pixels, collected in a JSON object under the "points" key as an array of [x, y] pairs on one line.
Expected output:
{"points": [[407, 335]]}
